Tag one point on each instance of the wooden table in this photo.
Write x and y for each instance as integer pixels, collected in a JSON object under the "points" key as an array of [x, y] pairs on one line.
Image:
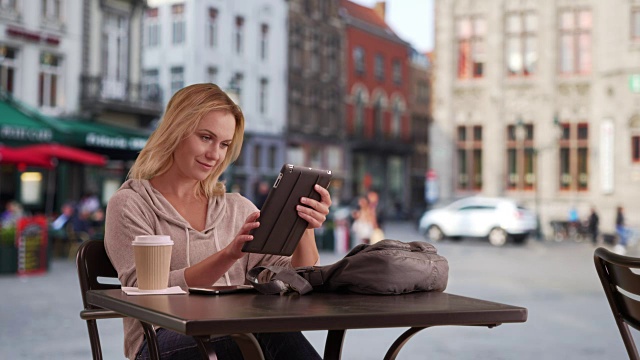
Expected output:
{"points": [[240, 315]]}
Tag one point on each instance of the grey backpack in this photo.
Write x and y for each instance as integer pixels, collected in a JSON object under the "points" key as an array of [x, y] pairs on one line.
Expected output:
{"points": [[386, 267]]}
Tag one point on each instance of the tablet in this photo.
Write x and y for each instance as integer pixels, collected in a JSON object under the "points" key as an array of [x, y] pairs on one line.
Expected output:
{"points": [[280, 226], [220, 289]]}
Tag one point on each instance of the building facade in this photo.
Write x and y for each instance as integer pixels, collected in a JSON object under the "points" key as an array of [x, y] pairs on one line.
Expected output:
{"points": [[539, 101], [315, 136], [378, 121], [63, 81], [420, 108], [238, 45]]}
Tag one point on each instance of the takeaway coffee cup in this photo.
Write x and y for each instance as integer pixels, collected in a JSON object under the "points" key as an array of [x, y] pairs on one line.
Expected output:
{"points": [[153, 261]]}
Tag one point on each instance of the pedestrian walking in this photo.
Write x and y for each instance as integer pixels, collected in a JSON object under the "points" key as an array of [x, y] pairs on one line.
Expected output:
{"points": [[621, 231], [594, 225]]}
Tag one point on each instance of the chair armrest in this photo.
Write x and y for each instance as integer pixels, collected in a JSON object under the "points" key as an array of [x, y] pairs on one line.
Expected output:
{"points": [[95, 314]]}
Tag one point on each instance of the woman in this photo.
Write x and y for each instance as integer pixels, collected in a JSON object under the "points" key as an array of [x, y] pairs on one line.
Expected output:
{"points": [[173, 189]]}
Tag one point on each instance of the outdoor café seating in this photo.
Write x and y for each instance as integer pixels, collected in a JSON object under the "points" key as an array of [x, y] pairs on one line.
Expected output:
{"points": [[621, 285], [95, 272]]}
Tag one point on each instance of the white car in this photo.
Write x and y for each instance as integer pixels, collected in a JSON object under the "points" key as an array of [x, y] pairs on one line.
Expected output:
{"points": [[497, 219]]}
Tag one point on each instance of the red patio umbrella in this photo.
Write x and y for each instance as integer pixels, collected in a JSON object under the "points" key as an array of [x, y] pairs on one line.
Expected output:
{"points": [[18, 156], [68, 153]]}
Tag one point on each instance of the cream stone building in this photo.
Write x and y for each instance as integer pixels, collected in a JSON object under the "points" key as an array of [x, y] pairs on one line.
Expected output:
{"points": [[539, 100]]}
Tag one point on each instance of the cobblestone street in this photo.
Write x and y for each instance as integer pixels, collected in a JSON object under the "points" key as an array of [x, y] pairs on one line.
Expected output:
{"points": [[569, 317]]}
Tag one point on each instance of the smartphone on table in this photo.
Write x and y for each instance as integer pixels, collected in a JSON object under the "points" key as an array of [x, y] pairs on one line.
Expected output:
{"points": [[220, 289]]}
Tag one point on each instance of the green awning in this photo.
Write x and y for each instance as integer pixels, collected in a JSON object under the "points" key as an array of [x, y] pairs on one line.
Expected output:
{"points": [[91, 134], [18, 127], [21, 124]]}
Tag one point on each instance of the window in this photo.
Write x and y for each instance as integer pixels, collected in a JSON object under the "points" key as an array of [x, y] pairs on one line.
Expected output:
{"points": [[358, 59], [314, 52], [358, 114], [178, 24], [9, 5], [151, 85], [520, 157], [51, 10], [296, 46], [264, 41], [635, 149], [212, 28], [212, 75], [273, 156], [422, 94], [471, 31], [396, 120], [257, 152], [333, 49], [177, 78], [379, 67], [152, 26], [115, 55], [264, 85], [378, 118], [574, 157], [48, 79], [397, 72], [469, 158], [8, 66], [238, 34], [575, 42], [635, 24], [521, 52]]}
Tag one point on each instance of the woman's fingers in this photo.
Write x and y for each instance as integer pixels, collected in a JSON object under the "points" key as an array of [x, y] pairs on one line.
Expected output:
{"points": [[315, 212]]}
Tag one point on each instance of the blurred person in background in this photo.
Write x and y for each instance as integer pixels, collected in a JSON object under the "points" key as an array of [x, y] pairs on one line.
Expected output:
{"points": [[13, 211], [621, 231], [593, 225]]}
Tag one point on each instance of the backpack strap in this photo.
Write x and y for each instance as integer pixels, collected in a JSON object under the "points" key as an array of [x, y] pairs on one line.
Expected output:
{"points": [[284, 281]]}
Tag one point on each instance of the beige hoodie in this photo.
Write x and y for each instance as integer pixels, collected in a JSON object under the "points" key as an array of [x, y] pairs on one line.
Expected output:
{"points": [[139, 209]]}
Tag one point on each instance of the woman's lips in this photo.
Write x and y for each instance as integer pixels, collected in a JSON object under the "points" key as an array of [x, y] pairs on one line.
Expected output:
{"points": [[205, 165]]}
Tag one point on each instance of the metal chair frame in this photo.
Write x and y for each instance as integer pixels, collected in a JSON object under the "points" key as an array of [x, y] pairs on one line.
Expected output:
{"points": [[93, 265], [615, 275]]}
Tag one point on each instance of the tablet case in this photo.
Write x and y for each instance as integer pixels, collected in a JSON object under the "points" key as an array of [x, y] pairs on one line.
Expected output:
{"points": [[280, 226]]}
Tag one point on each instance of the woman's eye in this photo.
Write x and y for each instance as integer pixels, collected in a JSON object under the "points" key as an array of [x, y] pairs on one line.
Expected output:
{"points": [[205, 138], [224, 145]]}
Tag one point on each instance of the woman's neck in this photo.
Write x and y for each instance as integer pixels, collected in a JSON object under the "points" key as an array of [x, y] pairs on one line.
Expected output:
{"points": [[174, 186]]}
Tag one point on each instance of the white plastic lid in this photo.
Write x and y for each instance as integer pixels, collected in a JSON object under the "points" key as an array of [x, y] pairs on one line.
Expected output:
{"points": [[152, 240]]}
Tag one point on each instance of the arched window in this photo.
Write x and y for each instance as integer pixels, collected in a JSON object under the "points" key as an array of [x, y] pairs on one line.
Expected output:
{"points": [[396, 120], [378, 117]]}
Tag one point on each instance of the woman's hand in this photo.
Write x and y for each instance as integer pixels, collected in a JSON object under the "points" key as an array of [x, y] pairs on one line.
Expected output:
{"points": [[234, 249], [313, 211]]}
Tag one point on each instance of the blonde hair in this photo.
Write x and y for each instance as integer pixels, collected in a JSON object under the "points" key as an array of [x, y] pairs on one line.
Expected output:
{"points": [[183, 114]]}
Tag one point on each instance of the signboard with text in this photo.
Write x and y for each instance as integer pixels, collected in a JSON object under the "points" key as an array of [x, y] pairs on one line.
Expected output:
{"points": [[31, 241]]}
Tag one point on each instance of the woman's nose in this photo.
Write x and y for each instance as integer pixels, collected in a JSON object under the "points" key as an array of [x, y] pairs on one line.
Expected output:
{"points": [[213, 152]]}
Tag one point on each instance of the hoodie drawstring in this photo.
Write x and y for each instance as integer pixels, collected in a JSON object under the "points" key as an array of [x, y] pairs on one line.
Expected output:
{"points": [[186, 231], [218, 248]]}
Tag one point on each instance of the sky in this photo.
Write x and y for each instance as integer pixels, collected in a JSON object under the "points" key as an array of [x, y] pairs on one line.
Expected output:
{"points": [[412, 20]]}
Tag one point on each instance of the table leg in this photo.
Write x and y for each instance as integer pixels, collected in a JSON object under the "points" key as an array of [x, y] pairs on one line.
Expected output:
{"points": [[152, 340], [333, 345], [247, 343], [397, 345]]}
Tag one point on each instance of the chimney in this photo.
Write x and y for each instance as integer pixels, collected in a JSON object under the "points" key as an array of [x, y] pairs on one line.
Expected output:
{"points": [[380, 8]]}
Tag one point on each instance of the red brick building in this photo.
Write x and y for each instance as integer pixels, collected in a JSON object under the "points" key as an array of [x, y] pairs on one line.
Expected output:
{"points": [[378, 118]]}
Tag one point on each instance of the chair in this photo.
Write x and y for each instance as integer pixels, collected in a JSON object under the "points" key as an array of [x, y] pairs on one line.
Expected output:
{"points": [[93, 264], [620, 284]]}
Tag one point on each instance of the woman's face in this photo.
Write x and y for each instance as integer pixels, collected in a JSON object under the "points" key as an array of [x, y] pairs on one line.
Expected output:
{"points": [[201, 152]]}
